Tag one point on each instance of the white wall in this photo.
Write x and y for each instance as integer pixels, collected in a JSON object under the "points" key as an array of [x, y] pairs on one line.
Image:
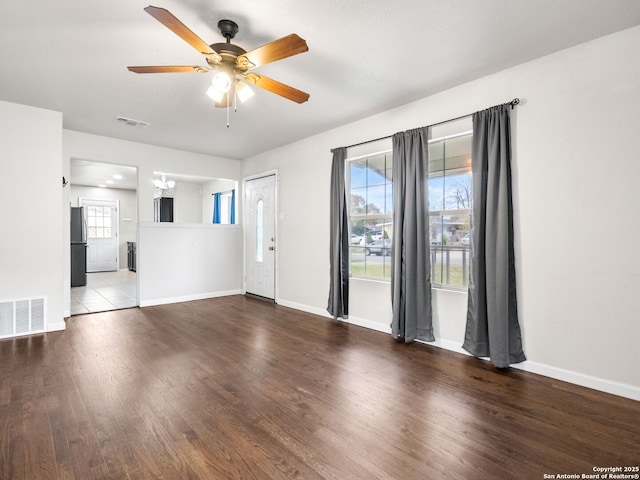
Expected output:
{"points": [[187, 202], [147, 158], [128, 214], [576, 173], [160, 245], [189, 262], [32, 247]]}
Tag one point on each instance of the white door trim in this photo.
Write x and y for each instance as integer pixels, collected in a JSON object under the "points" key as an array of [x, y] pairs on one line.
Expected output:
{"points": [[245, 179]]}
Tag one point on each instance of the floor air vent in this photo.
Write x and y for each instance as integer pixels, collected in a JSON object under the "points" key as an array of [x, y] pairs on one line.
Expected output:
{"points": [[22, 317]]}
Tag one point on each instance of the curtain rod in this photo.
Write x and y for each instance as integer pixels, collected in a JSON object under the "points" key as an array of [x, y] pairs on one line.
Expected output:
{"points": [[513, 103]]}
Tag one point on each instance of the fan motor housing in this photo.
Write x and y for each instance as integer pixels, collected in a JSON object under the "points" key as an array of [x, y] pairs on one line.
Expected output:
{"points": [[228, 51]]}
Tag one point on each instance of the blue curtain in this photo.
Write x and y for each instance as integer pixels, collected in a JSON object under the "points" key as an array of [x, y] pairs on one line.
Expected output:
{"points": [[232, 215], [217, 206]]}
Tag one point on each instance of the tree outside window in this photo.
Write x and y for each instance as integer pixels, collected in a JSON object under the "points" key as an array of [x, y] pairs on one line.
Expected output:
{"points": [[370, 213], [450, 202]]}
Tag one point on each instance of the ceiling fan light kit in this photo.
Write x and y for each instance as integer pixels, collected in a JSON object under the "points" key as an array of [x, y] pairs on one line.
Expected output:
{"points": [[230, 62], [214, 94], [243, 91], [221, 81]]}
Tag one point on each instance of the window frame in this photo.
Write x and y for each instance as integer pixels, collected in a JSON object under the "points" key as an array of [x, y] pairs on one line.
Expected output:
{"points": [[384, 218], [443, 250]]}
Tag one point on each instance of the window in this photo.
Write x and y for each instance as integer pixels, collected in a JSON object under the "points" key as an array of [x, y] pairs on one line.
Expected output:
{"points": [[370, 197], [450, 201], [224, 207], [225, 202], [98, 221]]}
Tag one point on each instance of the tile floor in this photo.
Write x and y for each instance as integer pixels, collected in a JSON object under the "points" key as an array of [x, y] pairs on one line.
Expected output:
{"points": [[105, 291]]}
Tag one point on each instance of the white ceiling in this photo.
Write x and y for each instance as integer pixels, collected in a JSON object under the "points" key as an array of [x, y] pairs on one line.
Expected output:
{"points": [[365, 56], [109, 175], [94, 174]]}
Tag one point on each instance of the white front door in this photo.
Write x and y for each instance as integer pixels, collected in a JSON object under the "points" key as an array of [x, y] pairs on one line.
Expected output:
{"points": [[260, 253], [101, 219]]}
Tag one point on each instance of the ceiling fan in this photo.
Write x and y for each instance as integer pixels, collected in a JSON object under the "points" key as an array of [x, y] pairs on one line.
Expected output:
{"points": [[232, 64]]}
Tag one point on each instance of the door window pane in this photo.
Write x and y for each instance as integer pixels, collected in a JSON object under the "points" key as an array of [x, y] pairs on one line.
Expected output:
{"points": [[99, 221], [259, 229]]}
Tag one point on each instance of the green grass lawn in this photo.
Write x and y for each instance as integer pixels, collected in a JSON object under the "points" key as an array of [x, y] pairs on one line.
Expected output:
{"points": [[455, 275], [362, 269], [359, 269]]}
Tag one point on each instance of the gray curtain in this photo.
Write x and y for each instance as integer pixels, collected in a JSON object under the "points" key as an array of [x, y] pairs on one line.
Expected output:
{"points": [[338, 304], [411, 273], [492, 317]]}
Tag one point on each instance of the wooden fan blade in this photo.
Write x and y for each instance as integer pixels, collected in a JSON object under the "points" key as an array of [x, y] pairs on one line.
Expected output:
{"points": [[278, 88], [176, 26], [276, 50], [169, 69]]}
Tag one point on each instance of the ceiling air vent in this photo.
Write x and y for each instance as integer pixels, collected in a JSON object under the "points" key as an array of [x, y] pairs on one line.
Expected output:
{"points": [[130, 122]]}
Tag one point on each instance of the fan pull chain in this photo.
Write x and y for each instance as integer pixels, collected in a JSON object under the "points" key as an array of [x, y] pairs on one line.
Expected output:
{"points": [[227, 110]]}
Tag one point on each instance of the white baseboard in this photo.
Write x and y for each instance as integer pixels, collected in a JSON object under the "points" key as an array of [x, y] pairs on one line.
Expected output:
{"points": [[576, 378], [303, 308], [596, 383], [56, 326], [188, 298], [448, 345], [363, 322]]}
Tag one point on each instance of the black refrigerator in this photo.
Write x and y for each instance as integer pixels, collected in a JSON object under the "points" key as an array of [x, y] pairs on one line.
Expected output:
{"points": [[78, 248]]}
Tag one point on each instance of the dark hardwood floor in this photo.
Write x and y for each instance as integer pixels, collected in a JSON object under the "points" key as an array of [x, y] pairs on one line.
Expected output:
{"points": [[237, 388]]}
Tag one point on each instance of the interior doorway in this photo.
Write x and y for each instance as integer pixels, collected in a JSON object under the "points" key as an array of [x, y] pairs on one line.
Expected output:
{"points": [[108, 196], [260, 236], [105, 291]]}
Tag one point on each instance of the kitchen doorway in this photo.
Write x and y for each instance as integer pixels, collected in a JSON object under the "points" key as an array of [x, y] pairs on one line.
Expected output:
{"points": [[108, 196], [105, 291]]}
